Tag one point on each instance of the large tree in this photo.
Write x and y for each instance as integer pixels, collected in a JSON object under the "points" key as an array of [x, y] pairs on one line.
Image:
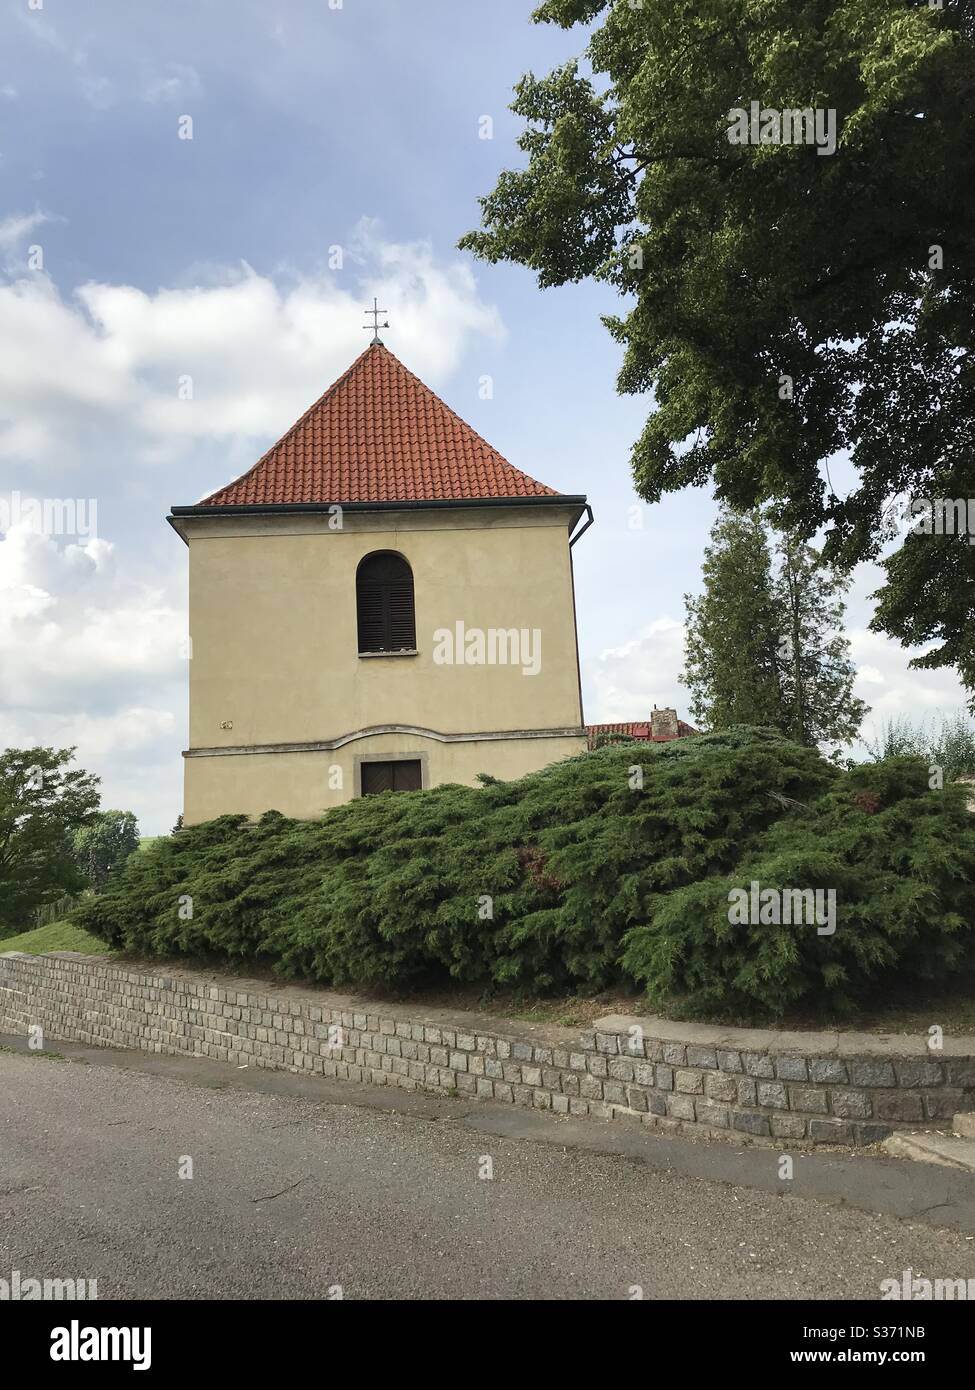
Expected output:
{"points": [[765, 641], [784, 306], [43, 802]]}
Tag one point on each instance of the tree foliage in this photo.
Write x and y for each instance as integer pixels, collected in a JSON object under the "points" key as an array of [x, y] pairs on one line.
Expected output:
{"points": [[765, 644], [786, 307], [104, 844], [947, 743], [733, 630], [816, 671], [928, 597], [43, 802]]}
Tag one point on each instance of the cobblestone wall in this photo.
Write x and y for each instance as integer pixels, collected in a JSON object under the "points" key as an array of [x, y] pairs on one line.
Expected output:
{"points": [[746, 1085]]}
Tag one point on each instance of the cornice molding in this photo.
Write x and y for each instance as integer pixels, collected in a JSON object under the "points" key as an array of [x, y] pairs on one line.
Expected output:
{"points": [[329, 745]]}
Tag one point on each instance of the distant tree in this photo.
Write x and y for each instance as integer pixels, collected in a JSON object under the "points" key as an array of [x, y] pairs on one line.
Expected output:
{"points": [[43, 803], [948, 744], [733, 630], [765, 644], [104, 844], [179, 824], [816, 674]]}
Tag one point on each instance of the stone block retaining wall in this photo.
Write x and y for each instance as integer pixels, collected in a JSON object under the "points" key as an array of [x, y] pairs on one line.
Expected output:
{"points": [[745, 1085]]}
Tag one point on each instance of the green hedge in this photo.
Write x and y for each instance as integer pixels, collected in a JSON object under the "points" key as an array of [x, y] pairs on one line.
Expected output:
{"points": [[593, 880]]}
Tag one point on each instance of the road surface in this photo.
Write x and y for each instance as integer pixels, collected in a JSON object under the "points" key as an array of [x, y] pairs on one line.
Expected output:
{"points": [[298, 1195]]}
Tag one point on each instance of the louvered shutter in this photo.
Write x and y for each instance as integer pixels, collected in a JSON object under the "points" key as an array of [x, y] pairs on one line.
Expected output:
{"points": [[372, 621], [401, 627], [384, 600]]}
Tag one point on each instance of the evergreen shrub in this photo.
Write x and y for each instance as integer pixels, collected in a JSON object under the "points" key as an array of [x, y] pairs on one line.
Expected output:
{"points": [[579, 877]]}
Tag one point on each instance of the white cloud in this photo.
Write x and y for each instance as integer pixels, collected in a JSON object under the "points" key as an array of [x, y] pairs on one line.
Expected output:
{"points": [[74, 631], [14, 232], [254, 351], [91, 658], [53, 369], [893, 691], [884, 679], [625, 682], [15, 228]]}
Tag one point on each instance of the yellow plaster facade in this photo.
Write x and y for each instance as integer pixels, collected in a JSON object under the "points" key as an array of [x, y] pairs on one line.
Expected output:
{"points": [[283, 709]]}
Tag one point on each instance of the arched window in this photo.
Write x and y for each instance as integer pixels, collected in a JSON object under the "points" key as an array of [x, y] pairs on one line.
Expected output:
{"points": [[384, 603]]}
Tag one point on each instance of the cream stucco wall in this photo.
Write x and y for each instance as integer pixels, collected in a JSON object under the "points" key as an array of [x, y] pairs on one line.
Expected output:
{"points": [[275, 655], [306, 784]]}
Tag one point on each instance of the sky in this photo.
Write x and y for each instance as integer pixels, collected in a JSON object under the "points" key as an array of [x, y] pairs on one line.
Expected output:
{"points": [[170, 305]]}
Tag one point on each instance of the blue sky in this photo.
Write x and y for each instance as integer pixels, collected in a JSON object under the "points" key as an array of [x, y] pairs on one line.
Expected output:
{"points": [[314, 127]]}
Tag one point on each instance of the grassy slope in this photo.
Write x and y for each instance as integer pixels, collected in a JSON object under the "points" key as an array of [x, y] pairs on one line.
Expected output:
{"points": [[56, 936]]}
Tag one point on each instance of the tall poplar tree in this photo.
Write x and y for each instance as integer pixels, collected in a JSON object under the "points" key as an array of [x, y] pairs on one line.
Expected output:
{"points": [[765, 641], [734, 630], [816, 674]]}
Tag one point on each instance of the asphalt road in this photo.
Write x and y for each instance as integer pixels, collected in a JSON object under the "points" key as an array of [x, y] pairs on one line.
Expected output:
{"points": [[295, 1194]]}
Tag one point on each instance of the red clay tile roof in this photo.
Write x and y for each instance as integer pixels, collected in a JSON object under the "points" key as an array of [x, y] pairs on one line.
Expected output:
{"points": [[377, 435], [640, 730]]}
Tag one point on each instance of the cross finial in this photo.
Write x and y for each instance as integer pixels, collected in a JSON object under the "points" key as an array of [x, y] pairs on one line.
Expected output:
{"points": [[376, 312]]}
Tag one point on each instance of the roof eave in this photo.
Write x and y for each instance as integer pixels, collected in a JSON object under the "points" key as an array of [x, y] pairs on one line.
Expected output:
{"points": [[574, 501]]}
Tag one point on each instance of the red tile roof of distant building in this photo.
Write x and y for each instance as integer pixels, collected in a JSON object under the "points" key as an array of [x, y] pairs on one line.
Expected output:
{"points": [[639, 730]]}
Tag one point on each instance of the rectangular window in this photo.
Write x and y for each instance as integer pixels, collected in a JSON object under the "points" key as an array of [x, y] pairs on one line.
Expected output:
{"points": [[397, 776]]}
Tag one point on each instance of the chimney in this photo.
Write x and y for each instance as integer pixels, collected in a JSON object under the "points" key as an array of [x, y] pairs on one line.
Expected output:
{"points": [[663, 723]]}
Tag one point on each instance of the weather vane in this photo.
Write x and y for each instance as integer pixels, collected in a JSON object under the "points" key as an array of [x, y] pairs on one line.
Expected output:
{"points": [[376, 312]]}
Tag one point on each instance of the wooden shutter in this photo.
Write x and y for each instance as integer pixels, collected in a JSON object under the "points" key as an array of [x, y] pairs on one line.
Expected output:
{"points": [[376, 777], [406, 776], [398, 776], [372, 622], [400, 622], [384, 603]]}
